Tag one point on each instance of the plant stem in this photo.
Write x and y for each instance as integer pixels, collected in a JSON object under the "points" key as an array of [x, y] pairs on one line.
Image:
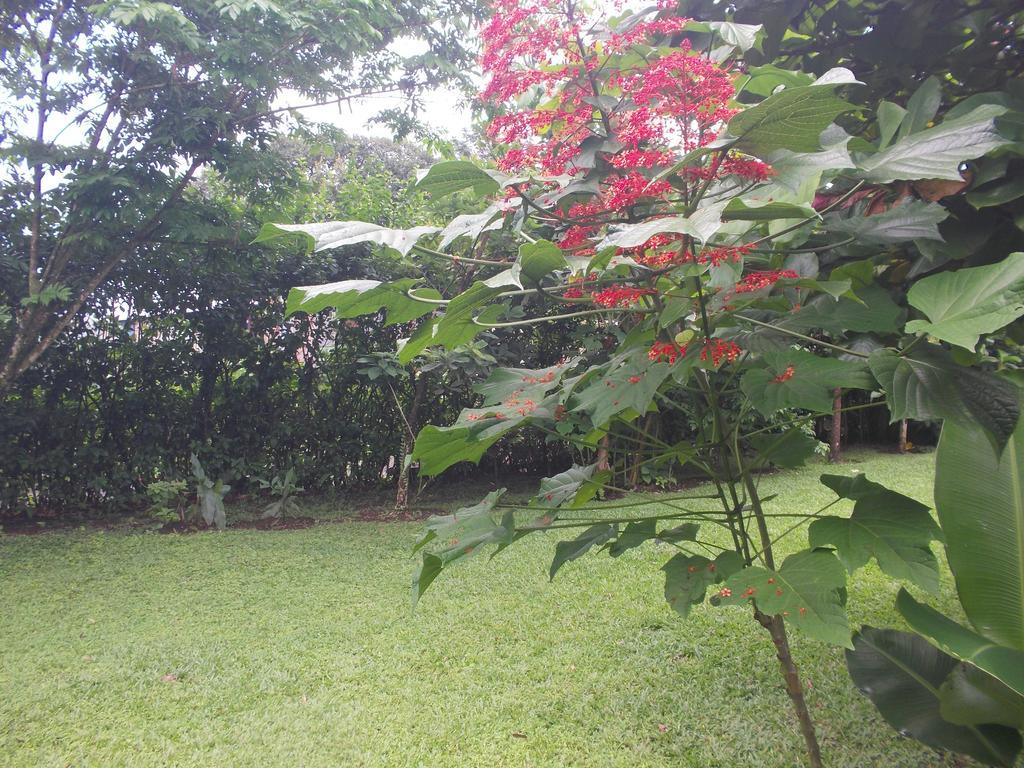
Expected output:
{"points": [[777, 629]]}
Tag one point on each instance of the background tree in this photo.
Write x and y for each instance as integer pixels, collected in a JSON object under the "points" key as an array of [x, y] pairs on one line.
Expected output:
{"points": [[116, 107]]}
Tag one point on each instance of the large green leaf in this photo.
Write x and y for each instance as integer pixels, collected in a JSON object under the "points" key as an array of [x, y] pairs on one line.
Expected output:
{"points": [[539, 259], [633, 535], [979, 496], [740, 209], [963, 305], [464, 314], [792, 119], [703, 224], [805, 591], [789, 449], [971, 697], [521, 383], [629, 386], [809, 385], [894, 529], [937, 152], [875, 312], [572, 488], [451, 176], [902, 674], [471, 225], [566, 551], [352, 298], [448, 539], [687, 578], [925, 384], [1003, 663], [335, 234], [438, 448], [914, 220]]}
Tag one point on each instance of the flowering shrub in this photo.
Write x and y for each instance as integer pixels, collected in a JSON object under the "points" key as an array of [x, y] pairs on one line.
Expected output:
{"points": [[713, 243]]}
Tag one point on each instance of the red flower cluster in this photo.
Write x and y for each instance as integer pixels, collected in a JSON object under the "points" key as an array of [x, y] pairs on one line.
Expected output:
{"points": [[620, 296], [666, 351], [724, 254], [755, 281], [717, 350], [786, 375]]}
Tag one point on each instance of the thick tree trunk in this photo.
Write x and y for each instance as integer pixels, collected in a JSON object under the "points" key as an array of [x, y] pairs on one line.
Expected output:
{"points": [[836, 434], [904, 445], [794, 687]]}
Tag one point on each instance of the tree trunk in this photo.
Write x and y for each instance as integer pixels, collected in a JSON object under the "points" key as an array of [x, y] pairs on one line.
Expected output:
{"points": [[777, 629], [408, 440], [904, 445], [836, 434]]}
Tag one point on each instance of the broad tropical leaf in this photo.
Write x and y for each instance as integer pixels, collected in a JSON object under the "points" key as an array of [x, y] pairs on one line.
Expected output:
{"points": [[894, 529], [471, 225], [1002, 662], [937, 152], [630, 386], [451, 538], [451, 176], [925, 384], [971, 697], [792, 119], [565, 551], [902, 674], [914, 220], [438, 448], [805, 591], [799, 379], [702, 225], [335, 234], [961, 306], [874, 312], [521, 383], [788, 449], [352, 298], [539, 259], [979, 496], [687, 578], [572, 488]]}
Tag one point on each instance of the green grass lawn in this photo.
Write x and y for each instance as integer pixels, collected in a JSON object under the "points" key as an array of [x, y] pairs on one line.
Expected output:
{"points": [[297, 648]]}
